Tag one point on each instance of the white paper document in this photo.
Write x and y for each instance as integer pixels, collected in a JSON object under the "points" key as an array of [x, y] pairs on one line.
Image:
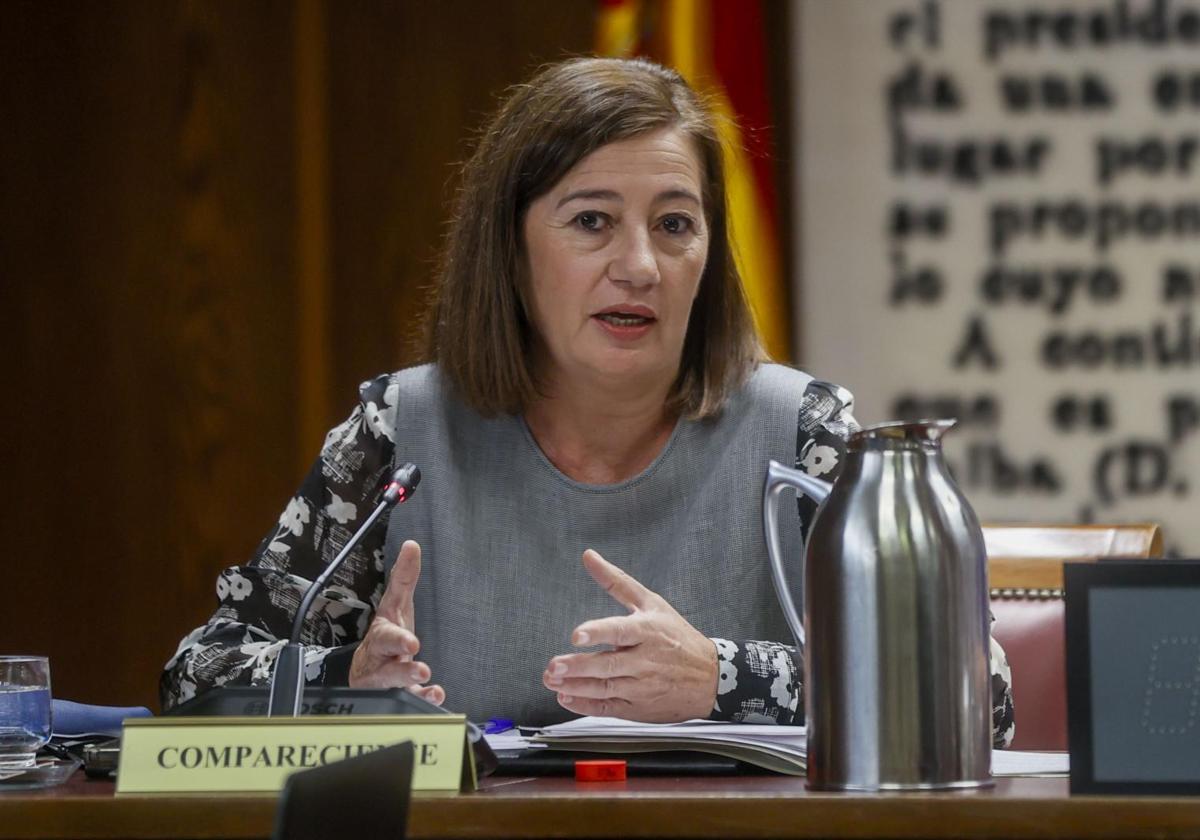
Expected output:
{"points": [[1021, 763]]}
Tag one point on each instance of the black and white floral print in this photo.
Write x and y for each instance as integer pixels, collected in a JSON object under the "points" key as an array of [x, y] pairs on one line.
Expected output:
{"points": [[1004, 725], [768, 688], [758, 681], [256, 601], [764, 686]]}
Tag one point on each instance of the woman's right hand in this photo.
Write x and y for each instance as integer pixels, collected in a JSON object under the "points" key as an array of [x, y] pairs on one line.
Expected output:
{"points": [[384, 658]]}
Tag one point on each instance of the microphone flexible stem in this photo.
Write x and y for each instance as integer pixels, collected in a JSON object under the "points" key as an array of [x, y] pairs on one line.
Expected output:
{"points": [[322, 579]]}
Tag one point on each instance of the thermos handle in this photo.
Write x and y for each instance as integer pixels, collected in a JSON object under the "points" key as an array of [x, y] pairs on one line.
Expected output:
{"points": [[780, 477]]}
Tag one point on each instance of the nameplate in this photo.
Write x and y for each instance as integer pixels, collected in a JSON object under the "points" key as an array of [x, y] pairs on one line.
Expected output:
{"points": [[257, 754]]}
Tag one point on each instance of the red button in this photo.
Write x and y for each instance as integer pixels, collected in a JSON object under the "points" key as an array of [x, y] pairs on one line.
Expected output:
{"points": [[604, 770]]}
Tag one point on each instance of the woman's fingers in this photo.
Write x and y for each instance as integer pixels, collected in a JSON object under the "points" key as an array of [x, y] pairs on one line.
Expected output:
{"points": [[384, 658], [402, 674], [385, 646], [617, 583], [599, 688], [394, 673], [386, 640], [603, 665], [618, 631], [596, 708], [435, 694], [613, 675], [396, 605], [662, 668]]}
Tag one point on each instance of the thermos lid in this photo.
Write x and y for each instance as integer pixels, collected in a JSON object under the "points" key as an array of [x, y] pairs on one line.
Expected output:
{"points": [[900, 434]]}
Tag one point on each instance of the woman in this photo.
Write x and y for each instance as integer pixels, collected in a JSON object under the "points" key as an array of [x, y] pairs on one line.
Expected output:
{"points": [[595, 391]]}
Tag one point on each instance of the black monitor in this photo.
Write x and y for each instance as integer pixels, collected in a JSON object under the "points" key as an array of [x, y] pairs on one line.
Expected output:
{"points": [[1133, 676]]}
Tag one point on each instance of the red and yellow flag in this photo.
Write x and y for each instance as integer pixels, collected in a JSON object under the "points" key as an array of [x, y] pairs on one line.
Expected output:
{"points": [[720, 48]]}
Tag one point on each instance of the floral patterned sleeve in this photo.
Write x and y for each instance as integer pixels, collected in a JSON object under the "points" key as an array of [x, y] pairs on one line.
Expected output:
{"points": [[760, 681], [256, 602]]}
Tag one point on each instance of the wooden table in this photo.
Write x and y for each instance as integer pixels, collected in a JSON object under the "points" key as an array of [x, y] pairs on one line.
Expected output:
{"points": [[749, 806]]}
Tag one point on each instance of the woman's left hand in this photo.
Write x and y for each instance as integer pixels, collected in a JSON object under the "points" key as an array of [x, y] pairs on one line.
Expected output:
{"points": [[661, 668]]}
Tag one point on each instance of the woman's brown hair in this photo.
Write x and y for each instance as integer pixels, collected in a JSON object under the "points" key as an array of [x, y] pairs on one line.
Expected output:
{"points": [[479, 331]]}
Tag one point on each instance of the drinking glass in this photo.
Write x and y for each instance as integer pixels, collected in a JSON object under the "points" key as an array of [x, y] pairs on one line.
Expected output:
{"points": [[24, 709]]}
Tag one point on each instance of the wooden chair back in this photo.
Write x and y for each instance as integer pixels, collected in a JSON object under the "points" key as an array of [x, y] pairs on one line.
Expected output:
{"points": [[1032, 556]]}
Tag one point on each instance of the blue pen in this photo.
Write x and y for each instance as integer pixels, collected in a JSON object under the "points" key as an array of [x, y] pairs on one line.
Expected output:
{"points": [[495, 726]]}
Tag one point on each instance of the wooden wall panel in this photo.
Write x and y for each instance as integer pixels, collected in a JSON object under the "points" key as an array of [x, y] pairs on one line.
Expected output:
{"points": [[147, 188], [410, 83], [151, 350]]}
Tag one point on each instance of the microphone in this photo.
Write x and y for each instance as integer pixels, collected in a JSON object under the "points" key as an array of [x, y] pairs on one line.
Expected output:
{"points": [[404, 482], [287, 680]]}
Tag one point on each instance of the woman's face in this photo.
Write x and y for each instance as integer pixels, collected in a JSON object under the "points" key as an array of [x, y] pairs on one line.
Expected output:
{"points": [[615, 252]]}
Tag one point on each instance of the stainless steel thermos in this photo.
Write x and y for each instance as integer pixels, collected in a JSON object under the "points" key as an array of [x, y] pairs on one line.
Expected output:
{"points": [[895, 630]]}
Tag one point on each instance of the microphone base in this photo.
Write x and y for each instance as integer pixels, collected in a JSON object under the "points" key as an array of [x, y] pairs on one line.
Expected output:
{"points": [[252, 701], [287, 682]]}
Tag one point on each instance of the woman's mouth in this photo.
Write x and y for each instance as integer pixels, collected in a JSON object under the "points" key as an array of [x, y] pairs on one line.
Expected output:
{"points": [[623, 319], [624, 325]]}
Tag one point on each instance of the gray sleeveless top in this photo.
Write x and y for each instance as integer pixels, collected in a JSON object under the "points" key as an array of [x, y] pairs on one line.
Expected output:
{"points": [[502, 532]]}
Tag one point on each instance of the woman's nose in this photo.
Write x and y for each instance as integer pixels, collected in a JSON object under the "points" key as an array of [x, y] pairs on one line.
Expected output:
{"points": [[634, 261]]}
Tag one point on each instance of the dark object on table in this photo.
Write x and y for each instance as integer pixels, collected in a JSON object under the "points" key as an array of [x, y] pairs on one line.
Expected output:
{"points": [[1133, 653], [552, 762], [97, 753], [365, 796], [100, 758]]}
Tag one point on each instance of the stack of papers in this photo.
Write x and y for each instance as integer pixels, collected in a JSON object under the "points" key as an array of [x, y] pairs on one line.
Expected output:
{"points": [[510, 741], [778, 748], [1021, 763]]}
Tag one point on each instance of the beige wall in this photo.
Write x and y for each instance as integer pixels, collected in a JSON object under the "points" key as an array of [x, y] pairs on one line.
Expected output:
{"points": [[1063, 420]]}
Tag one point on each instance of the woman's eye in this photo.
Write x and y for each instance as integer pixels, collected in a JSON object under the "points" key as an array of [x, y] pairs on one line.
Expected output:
{"points": [[677, 224], [590, 221]]}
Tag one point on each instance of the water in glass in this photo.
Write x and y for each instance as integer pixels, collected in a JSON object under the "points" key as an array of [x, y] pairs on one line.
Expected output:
{"points": [[24, 709]]}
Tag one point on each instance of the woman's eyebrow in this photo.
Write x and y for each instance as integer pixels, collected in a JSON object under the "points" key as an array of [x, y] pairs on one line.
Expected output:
{"points": [[671, 195], [602, 195], [611, 195]]}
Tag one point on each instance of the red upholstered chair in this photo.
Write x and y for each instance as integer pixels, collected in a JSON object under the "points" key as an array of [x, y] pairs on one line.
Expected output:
{"points": [[1025, 564]]}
